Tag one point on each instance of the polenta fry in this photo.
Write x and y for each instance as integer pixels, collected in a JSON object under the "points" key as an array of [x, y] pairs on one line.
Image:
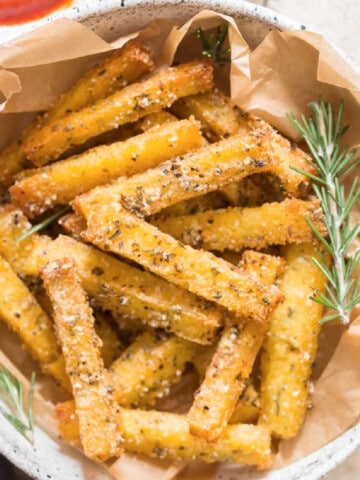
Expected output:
{"points": [[128, 105], [148, 367], [23, 314], [119, 287], [185, 177], [166, 435], [142, 296], [20, 255], [290, 346], [120, 68], [99, 421], [58, 183], [275, 223], [220, 118], [232, 362], [218, 115], [112, 228]]}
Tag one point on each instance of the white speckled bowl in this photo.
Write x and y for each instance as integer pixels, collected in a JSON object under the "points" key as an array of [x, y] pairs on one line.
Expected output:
{"points": [[51, 459]]}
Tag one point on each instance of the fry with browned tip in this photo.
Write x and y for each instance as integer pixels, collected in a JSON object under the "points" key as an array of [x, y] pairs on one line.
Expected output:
{"points": [[120, 68], [43, 188], [236, 228], [233, 360], [166, 435], [127, 105], [112, 228], [221, 118], [140, 296], [99, 420], [184, 177]]}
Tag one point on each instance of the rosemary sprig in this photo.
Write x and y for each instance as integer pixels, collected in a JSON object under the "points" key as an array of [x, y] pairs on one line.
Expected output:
{"points": [[323, 132], [41, 225], [11, 392], [213, 46]]}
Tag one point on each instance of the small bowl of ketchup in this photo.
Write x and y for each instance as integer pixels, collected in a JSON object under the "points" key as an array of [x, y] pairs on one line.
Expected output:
{"points": [[14, 12]]}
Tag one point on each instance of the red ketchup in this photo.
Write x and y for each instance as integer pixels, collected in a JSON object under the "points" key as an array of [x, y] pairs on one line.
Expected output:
{"points": [[13, 12]]}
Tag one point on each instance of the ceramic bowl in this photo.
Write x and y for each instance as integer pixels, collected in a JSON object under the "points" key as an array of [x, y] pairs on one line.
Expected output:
{"points": [[55, 460]]}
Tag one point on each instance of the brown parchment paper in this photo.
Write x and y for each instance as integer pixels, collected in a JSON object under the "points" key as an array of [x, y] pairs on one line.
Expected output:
{"points": [[284, 73]]}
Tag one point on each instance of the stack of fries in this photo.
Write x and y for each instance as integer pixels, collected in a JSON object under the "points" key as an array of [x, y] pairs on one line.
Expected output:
{"points": [[187, 253]]}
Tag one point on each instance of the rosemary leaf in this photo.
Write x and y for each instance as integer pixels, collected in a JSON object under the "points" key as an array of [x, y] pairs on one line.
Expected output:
{"points": [[213, 45], [323, 132], [11, 393], [41, 225]]}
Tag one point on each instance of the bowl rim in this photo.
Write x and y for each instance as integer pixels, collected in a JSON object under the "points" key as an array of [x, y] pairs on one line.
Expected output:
{"points": [[337, 450]]}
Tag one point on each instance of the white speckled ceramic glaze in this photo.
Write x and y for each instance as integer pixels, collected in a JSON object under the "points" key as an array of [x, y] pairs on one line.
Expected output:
{"points": [[50, 459]]}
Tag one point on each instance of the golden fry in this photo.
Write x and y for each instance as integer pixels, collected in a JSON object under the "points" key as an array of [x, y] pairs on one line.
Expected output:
{"points": [[58, 183], [142, 296], [22, 313], [119, 287], [239, 228], [114, 229], [99, 421], [185, 177], [116, 71], [166, 435], [20, 255], [290, 346], [120, 68], [148, 367], [220, 118], [232, 362], [127, 105]]}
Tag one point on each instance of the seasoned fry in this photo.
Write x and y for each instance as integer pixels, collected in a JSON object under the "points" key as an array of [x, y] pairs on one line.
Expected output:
{"points": [[122, 67], [185, 177], [128, 105], [114, 229], [119, 287], [238, 228], [116, 71], [142, 296], [22, 313], [220, 118], [20, 255], [99, 421], [58, 183], [166, 435], [290, 346], [148, 367], [232, 361]]}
